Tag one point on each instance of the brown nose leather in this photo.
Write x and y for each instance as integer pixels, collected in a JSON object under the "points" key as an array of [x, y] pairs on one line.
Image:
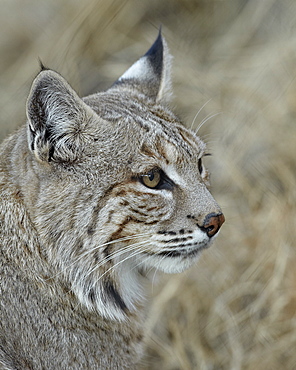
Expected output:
{"points": [[212, 223]]}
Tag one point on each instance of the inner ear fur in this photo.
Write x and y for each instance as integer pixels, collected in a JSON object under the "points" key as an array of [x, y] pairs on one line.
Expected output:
{"points": [[55, 115]]}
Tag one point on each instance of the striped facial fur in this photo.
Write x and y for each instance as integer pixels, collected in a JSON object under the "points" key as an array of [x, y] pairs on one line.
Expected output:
{"points": [[122, 190]]}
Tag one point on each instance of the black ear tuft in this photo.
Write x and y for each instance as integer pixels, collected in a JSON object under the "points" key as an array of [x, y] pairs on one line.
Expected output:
{"points": [[42, 66], [155, 55], [150, 75]]}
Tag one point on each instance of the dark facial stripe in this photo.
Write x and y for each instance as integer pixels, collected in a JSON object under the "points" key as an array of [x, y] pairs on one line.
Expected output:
{"points": [[147, 151], [92, 295], [114, 296], [96, 210], [161, 150], [117, 233]]}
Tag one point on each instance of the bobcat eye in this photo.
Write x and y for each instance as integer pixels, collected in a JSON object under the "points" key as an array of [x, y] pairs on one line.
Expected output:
{"points": [[152, 179], [157, 179]]}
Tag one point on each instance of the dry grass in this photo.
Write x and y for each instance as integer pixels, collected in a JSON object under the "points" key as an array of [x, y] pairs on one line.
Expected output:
{"points": [[237, 308]]}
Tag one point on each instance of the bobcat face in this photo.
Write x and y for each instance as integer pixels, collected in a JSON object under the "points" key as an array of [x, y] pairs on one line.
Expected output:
{"points": [[166, 199], [121, 184]]}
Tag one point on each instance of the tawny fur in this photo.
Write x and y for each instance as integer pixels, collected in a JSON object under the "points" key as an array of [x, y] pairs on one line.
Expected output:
{"points": [[80, 231]]}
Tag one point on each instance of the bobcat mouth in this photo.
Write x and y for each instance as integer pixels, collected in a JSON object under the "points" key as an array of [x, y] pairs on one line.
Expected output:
{"points": [[179, 253], [186, 250], [176, 257]]}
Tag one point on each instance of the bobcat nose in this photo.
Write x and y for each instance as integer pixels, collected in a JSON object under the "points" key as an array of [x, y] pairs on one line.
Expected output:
{"points": [[212, 223]]}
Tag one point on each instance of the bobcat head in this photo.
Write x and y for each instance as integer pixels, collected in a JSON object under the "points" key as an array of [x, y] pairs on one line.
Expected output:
{"points": [[117, 186]]}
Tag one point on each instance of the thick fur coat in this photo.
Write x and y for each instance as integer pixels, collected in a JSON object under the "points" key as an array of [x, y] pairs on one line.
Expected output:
{"points": [[96, 193]]}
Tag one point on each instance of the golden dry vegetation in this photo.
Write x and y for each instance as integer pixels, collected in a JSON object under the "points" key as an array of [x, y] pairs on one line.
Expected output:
{"points": [[237, 59]]}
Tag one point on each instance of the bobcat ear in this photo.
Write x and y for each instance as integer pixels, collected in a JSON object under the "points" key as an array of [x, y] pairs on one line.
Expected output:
{"points": [[55, 116], [151, 74]]}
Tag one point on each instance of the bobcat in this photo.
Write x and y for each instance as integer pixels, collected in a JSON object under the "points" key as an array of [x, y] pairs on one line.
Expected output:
{"points": [[96, 193]]}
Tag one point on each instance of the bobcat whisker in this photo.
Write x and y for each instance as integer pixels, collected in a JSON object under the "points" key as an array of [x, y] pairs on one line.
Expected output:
{"points": [[205, 120], [193, 121], [123, 250], [129, 248], [156, 270], [119, 253], [125, 238], [205, 137], [90, 251], [134, 254], [154, 276], [146, 257]]}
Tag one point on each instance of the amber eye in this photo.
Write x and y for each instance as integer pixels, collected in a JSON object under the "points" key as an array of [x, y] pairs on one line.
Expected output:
{"points": [[151, 179]]}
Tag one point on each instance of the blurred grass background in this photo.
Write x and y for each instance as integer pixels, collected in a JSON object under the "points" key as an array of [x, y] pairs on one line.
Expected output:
{"points": [[237, 308]]}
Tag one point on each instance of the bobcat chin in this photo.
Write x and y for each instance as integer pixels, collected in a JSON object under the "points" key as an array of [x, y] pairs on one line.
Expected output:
{"points": [[95, 193]]}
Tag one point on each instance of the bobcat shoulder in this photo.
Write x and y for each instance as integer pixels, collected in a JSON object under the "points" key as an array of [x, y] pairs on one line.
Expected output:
{"points": [[95, 193]]}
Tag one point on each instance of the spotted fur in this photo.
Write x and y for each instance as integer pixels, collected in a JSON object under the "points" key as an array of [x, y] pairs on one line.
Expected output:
{"points": [[81, 230]]}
